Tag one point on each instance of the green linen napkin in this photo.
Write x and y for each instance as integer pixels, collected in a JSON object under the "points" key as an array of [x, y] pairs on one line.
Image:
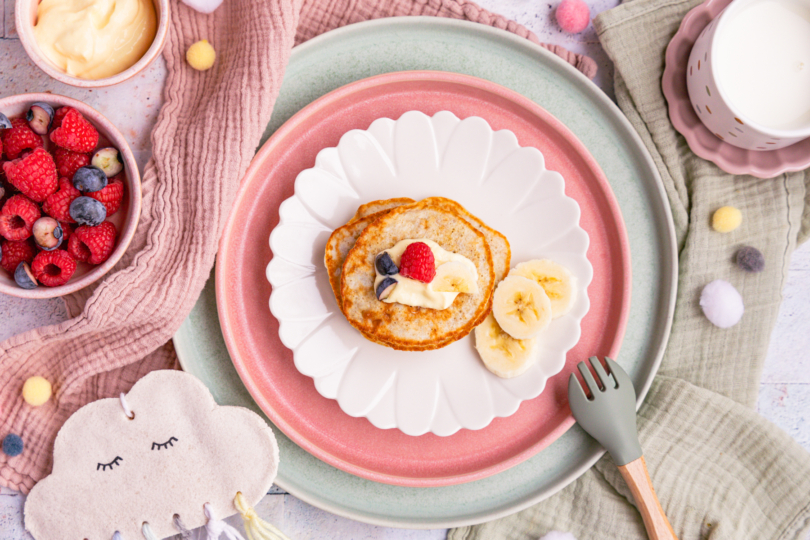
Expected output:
{"points": [[721, 471]]}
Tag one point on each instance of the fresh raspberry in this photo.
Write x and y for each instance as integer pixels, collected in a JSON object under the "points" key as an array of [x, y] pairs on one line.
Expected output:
{"points": [[20, 137], [53, 268], [15, 252], [34, 175], [75, 133], [417, 263], [58, 115], [57, 205], [17, 218], [111, 195], [67, 231], [67, 162], [98, 240], [77, 249]]}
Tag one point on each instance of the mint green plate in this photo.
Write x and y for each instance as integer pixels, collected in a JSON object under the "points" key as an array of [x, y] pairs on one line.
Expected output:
{"points": [[411, 43]]}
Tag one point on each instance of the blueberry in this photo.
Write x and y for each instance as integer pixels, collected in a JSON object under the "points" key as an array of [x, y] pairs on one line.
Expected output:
{"points": [[750, 259], [47, 233], [385, 265], [87, 211], [12, 445], [24, 277], [109, 160], [40, 117], [385, 288], [5, 123], [89, 179]]}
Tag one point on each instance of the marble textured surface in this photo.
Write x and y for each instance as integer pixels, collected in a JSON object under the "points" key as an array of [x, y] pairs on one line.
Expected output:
{"points": [[784, 392]]}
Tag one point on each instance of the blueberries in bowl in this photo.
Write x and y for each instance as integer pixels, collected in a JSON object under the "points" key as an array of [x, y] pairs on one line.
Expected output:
{"points": [[47, 233], [89, 179], [40, 117], [87, 211], [109, 160], [24, 276]]}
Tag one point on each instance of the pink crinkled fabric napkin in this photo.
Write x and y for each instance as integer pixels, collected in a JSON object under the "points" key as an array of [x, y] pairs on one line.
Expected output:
{"points": [[203, 142]]}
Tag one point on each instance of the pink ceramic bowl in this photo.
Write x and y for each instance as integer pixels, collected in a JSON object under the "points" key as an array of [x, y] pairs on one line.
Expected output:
{"points": [[26, 17], [125, 219]]}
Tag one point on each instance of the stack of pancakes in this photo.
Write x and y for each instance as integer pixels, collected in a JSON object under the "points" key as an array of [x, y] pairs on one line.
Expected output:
{"points": [[379, 225]]}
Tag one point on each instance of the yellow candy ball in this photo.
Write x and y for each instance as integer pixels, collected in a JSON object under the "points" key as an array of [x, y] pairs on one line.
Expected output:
{"points": [[201, 55], [726, 219], [36, 391]]}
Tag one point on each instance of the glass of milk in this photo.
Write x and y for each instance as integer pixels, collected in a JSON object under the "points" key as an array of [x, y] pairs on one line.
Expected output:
{"points": [[749, 74]]}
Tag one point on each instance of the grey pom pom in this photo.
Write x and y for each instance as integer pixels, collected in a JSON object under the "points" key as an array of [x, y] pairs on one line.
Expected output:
{"points": [[750, 259]]}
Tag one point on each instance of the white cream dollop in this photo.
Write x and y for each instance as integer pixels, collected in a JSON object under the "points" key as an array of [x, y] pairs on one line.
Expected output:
{"points": [[411, 292]]}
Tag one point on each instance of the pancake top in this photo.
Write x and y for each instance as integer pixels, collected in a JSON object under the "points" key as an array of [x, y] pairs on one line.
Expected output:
{"points": [[406, 326], [343, 238]]}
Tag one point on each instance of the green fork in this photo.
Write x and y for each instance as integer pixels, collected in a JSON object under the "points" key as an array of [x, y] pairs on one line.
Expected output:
{"points": [[609, 416]]}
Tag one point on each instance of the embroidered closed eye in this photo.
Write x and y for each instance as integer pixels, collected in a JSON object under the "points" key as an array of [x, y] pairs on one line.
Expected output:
{"points": [[105, 466], [158, 446]]}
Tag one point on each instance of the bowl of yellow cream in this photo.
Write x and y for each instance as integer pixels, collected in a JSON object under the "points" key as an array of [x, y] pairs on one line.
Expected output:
{"points": [[92, 43]]}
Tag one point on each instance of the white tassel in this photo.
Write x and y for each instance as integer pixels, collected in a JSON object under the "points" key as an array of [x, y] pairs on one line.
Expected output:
{"points": [[255, 527], [146, 530], [215, 528]]}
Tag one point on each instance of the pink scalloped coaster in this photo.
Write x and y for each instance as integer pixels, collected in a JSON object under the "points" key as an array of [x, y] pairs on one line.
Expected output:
{"points": [[290, 399], [734, 160]]}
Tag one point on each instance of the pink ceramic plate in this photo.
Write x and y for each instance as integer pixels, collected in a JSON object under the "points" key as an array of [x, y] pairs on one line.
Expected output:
{"points": [[266, 367], [734, 160]]}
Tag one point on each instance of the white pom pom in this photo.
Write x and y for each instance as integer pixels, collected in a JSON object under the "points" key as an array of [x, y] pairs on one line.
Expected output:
{"points": [[721, 303], [557, 535], [203, 6]]}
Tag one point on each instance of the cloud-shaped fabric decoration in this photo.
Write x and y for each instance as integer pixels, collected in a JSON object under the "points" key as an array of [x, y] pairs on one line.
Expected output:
{"points": [[180, 451]]}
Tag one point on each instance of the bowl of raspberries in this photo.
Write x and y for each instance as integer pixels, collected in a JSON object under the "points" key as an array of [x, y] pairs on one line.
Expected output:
{"points": [[70, 195]]}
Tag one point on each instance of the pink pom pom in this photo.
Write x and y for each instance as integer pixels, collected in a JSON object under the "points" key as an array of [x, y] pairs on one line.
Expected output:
{"points": [[573, 16]]}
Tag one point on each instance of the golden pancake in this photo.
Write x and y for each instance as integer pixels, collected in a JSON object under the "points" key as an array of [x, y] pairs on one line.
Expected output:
{"points": [[378, 206], [415, 328]]}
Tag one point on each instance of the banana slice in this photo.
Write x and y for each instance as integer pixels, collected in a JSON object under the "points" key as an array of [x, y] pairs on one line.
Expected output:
{"points": [[521, 307], [556, 280], [455, 276], [502, 354]]}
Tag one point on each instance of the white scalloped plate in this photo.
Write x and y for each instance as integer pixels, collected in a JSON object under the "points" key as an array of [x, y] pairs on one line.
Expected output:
{"points": [[488, 172]]}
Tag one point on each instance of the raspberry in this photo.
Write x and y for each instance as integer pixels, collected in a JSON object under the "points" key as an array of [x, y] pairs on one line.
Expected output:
{"points": [[417, 263], [34, 175], [67, 231], [67, 162], [111, 195], [77, 249], [59, 115], [15, 252], [53, 268], [75, 133], [57, 205], [17, 218], [20, 137], [98, 240]]}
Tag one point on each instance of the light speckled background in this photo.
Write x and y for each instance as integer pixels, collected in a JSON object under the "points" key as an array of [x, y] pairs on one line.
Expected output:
{"points": [[133, 106]]}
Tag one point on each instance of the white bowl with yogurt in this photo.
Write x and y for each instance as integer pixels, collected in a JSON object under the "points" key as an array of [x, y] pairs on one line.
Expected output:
{"points": [[749, 74]]}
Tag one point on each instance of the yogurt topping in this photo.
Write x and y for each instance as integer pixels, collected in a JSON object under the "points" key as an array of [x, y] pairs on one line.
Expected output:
{"points": [[415, 293], [94, 39]]}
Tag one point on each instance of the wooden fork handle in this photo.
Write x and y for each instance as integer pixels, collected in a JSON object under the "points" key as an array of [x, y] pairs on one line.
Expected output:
{"points": [[655, 521]]}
